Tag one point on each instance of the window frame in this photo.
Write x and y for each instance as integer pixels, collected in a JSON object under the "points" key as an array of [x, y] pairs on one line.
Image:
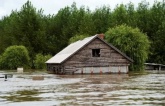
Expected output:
{"points": [[96, 52]]}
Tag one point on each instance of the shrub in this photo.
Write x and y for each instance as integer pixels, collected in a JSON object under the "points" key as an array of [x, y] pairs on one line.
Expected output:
{"points": [[132, 42], [14, 56], [40, 60]]}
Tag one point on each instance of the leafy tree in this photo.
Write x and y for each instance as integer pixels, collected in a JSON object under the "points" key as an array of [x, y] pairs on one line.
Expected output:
{"points": [[57, 34], [131, 15], [48, 34], [77, 37], [26, 27], [132, 42], [119, 15], [40, 60], [102, 18], [87, 25], [156, 32], [159, 45], [143, 17], [14, 56]]}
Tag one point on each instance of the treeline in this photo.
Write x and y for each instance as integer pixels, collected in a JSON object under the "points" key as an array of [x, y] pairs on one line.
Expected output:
{"points": [[48, 34]]}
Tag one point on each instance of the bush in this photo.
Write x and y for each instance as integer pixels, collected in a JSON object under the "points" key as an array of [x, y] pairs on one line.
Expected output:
{"points": [[13, 57], [132, 42], [40, 60]]}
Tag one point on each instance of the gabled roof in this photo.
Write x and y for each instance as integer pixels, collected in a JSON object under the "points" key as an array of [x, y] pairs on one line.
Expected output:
{"points": [[76, 46]]}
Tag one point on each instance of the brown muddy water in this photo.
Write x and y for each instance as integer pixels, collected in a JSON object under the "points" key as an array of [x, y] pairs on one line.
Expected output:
{"points": [[83, 90]]}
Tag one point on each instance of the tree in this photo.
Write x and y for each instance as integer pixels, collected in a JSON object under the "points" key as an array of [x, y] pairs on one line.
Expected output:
{"points": [[159, 45], [77, 37], [25, 27], [40, 60], [119, 15], [132, 42], [49, 34], [87, 25], [102, 19], [14, 56], [143, 17]]}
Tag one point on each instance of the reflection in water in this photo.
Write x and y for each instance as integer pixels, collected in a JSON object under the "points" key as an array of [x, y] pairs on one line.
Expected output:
{"points": [[111, 89]]}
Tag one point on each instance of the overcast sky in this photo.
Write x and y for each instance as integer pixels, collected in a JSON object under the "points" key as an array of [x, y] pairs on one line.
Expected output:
{"points": [[52, 6]]}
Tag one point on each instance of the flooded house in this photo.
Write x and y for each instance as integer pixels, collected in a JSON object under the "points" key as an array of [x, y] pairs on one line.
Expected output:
{"points": [[91, 55]]}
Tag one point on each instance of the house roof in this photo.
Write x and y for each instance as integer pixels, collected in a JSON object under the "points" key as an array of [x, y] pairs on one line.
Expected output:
{"points": [[74, 47], [154, 64]]}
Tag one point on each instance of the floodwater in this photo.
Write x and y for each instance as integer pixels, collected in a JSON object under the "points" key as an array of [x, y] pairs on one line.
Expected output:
{"points": [[83, 90]]}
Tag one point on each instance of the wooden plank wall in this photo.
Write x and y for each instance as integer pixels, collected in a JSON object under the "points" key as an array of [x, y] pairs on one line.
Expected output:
{"points": [[108, 57]]}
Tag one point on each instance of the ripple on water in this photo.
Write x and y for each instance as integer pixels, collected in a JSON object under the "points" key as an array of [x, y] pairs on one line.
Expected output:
{"points": [[76, 90]]}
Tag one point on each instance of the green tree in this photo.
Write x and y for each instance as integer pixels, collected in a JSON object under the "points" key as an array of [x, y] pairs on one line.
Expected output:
{"points": [[131, 15], [102, 19], [132, 42], [26, 27], [87, 25], [40, 60], [48, 34], [143, 17], [119, 15], [77, 37], [14, 56], [156, 32], [158, 49]]}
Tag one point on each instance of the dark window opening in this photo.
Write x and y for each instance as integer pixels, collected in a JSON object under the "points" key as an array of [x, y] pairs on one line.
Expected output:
{"points": [[95, 52]]}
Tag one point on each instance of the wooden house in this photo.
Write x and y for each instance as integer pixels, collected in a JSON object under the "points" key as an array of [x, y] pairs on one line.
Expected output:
{"points": [[87, 56]]}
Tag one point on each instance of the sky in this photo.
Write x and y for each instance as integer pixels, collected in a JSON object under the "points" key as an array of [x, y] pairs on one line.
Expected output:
{"points": [[52, 6]]}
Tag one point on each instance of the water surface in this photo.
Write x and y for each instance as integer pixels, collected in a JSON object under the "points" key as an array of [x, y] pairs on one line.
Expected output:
{"points": [[79, 90]]}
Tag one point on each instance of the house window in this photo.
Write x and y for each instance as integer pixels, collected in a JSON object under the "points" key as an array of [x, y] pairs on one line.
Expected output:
{"points": [[95, 52]]}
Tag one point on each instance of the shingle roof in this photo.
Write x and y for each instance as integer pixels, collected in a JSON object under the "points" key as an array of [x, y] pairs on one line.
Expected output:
{"points": [[74, 47]]}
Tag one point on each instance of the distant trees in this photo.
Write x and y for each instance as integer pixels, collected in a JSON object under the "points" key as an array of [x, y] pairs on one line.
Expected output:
{"points": [[132, 42], [13, 57], [48, 34]]}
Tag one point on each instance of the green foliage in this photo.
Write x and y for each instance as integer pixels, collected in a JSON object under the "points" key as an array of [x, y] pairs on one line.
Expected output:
{"points": [[49, 34], [0, 62], [40, 60], [102, 19], [159, 43], [132, 42], [77, 37], [120, 15], [13, 57]]}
